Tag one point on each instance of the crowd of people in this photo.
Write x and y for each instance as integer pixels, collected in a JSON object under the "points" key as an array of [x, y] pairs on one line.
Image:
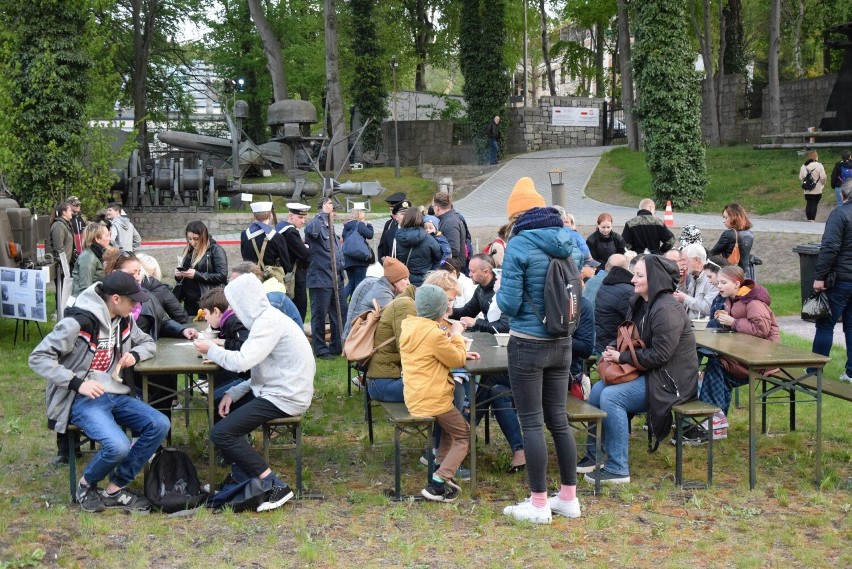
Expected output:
{"points": [[431, 288]]}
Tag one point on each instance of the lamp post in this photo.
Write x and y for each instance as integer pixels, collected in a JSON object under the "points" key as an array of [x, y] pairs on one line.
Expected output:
{"points": [[394, 64], [557, 188]]}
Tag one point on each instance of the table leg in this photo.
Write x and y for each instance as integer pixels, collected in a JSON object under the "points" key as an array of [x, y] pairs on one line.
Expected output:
{"points": [[818, 466], [472, 451], [211, 408], [752, 435]]}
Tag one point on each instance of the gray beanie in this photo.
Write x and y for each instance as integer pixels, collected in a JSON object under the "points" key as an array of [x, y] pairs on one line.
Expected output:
{"points": [[431, 302]]}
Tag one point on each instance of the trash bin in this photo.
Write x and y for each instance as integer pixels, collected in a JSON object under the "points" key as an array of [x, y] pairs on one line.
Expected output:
{"points": [[808, 254]]}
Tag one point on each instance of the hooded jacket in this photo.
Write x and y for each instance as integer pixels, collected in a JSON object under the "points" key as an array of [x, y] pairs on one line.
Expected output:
{"points": [[612, 304], [167, 299], [525, 267], [64, 357], [751, 312], [669, 355], [385, 364], [124, 235], [418, 251], [454, 229], [835, 252], [371, 288], [427, 356], [276, 351]]}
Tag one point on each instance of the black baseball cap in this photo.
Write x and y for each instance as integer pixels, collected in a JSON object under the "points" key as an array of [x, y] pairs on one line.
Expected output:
{"points": [[124, 284]]}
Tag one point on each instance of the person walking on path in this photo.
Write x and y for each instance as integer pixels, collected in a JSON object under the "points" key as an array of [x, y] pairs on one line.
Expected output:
{"points": [[493, 134], [841, 174], [835, 260], [812, 172]]}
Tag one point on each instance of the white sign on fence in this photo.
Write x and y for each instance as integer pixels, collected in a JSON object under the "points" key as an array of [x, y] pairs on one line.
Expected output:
{"points": [[576, 116], [22, 293]]}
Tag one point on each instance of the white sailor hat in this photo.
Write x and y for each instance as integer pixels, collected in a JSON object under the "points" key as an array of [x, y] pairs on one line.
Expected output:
{"points": [[261, 207], [298, 208]]}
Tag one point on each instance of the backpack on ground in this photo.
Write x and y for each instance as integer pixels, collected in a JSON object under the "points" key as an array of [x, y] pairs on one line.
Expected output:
{"points": [[358, 347], [809, 183], [562, 290], [172, 483]]}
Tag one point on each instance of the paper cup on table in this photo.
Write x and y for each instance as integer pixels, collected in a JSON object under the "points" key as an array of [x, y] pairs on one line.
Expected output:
{"points": [[209, 334], [468, 342]]}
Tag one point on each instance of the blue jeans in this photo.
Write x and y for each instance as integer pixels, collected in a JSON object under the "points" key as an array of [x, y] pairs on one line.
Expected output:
{"points": [[838, 196], [322, 305], [389, 390], [496, 393], [840, 299], [617, 401], [355, 276], [102, 419], [492, 151], [539, 375]]}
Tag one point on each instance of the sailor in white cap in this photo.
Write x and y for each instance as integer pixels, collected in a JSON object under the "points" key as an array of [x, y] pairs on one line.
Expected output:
{"points": [[297, 216], [260, 243]]}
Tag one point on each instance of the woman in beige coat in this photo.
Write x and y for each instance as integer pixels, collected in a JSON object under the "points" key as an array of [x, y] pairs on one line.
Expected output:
{"points": [[813, 195]]}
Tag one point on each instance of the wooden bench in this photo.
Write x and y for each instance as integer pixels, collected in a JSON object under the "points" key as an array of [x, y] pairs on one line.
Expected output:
{"points": [[586, 414], [695, 412], [73, 447], [285, 430], [405, 422]]}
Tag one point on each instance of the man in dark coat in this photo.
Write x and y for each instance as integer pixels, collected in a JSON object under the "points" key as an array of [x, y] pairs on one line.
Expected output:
{"points": [[78, 223], [481, 273], [493, 134], [300, 257], [452, 226], [398, 204], [647, 233], [612, 301]]}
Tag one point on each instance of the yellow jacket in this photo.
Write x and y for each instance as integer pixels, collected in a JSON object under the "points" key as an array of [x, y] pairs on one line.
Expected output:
{"points": [[427, 356]]}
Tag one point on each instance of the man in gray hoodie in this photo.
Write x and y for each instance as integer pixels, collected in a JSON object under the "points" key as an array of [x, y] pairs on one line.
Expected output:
{"points": [[82, 359], [122, 232], [281, 385]]}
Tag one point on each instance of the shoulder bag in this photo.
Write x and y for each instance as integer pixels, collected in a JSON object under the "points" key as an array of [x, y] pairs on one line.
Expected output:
{"points": [[734, 257], [627, 340]]}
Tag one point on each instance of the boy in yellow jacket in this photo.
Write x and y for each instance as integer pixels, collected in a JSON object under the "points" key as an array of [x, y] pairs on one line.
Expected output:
{"points": [[428, 353]]}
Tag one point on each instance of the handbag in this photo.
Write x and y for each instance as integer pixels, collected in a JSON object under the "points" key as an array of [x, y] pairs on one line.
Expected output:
{"points": [[734, 257], [627, 340]]}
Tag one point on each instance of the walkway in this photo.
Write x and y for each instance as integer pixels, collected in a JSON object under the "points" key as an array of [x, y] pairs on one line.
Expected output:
{"points": [[486, 205]]}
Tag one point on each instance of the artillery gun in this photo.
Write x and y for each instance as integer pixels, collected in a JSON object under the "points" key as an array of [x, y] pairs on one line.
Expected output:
{"points": [[20, 234]]}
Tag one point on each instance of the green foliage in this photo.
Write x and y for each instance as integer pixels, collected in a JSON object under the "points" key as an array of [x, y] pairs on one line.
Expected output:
{"points": [[368, 89], [735, 60], [669, 102], [486, 81]]}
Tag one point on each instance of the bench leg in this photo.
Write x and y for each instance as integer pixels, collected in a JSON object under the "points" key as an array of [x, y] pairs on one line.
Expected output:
{"points": [[298, 429], [72, 466], [679, 449], [397, 464], [267, 441], [792, 409], [368, 414], [763, 409], [711, 432], [598, 458]]}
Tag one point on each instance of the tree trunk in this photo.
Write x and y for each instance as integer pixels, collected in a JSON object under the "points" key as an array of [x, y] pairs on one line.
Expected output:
{"points": [[335, 97], [545, 51], [271, 49], [422, 35], [600, 84], [627, 98], [704, 41], [773, 86], [143, 14], [720, 74], [797, 39]]}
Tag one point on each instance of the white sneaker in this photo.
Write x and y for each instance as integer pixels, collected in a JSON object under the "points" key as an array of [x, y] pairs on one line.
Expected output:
{"points": [[569, 509], [845, 378], [720, 421], [525, 511]]}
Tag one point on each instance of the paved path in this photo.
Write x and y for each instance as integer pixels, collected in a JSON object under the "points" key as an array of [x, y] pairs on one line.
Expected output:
{"points": [[486, 205]]}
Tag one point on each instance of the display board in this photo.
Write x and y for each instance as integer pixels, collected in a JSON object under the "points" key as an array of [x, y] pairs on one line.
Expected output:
{"points": [[576, 116], [22, 293]]}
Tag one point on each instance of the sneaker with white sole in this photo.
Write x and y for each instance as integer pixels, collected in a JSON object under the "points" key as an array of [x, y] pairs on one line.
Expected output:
{"points": [[586, 465], [89, 498], [526, 512], [126, 500], [276, 498], [606, 477], [569, 509], [437, 492], [845, 378], [694, 435]]}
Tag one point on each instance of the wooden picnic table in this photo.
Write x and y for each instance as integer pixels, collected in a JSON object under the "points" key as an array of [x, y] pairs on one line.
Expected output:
{"points": [[760, 355]]}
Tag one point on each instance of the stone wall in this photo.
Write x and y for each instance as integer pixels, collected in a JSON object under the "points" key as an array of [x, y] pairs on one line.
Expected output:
{"points": [[802, 105], [172, 225], [427, 142], [530, 128]]}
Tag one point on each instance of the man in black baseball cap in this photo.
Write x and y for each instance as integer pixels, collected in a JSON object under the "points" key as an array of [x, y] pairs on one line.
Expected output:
{"points": [[398, 203], [82, 360]]}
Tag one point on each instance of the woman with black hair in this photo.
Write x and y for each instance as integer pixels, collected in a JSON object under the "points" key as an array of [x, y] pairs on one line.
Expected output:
{"points": [[204, 265]]}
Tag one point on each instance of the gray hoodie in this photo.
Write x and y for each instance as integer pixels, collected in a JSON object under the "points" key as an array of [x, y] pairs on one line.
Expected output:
{"points": [[64, 357], [124, 235], [276, 351]]}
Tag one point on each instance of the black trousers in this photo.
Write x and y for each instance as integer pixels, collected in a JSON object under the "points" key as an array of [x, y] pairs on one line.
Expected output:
{"points": [[229, 434], [811, 204]]}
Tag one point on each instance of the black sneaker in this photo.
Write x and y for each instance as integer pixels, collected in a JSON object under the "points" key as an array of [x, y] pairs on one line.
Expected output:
{"points": [[606, 477], [446, 492], [126, 500], [89, 498], [276, 498], [694, 435], [586, 465]]}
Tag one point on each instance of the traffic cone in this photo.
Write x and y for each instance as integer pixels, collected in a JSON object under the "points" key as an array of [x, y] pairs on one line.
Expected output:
{"points": [[668, 218]]}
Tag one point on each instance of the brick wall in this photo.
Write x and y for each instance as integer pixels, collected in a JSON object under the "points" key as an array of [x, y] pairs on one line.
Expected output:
{"points": [[530, 128]]}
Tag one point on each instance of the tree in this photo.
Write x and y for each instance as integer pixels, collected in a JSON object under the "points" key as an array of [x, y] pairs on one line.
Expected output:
{"points": [[47, 89], [669, 102], [368, 90], [705, 42], [772, 61], [545, 50], [627, 96], [735, 59], [338, 147], [481, 48], [271, 49]]}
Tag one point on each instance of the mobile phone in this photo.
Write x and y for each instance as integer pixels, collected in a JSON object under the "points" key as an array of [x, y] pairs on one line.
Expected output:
{"points": [[721, 331], [182, 269]]}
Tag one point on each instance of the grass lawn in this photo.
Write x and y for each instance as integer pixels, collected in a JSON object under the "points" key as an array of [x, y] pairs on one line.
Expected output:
{"points": [[785, 521], [763, 181]]}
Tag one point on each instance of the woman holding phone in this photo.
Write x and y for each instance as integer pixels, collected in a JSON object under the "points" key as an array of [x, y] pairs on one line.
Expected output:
{"points": [[204, 265]]}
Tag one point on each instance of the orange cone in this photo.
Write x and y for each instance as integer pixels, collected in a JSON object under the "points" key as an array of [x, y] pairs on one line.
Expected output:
{"points": [[668, 218]]}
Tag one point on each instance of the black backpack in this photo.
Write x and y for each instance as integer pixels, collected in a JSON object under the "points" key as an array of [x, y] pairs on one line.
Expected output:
{"points": [[562, 289], [809, 182], [172, 483]]}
